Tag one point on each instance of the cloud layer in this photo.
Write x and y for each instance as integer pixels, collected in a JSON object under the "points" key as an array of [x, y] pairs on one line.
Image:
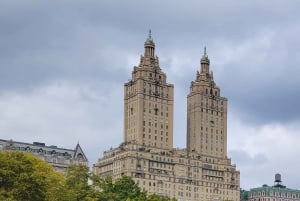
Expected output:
{"points": [[63, 65]]}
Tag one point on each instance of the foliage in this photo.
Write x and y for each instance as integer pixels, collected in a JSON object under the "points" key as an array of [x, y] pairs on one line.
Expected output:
{"points": [[26, 177], [123, 189], [155, 197], [77, 178]]}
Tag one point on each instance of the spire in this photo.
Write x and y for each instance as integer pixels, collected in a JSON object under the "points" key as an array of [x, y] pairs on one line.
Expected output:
{"points": [[205, 56], [149, 46], [149, 35]]}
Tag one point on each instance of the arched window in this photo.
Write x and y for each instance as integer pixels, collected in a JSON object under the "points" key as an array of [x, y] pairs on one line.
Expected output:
{"points": [[41, 151], [79, 156]]}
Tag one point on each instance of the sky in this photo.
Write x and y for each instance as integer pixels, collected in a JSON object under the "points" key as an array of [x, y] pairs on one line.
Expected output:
{"points": [[63, 65]]}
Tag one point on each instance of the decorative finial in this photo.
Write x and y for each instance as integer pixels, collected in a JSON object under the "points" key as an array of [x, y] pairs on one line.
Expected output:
{"points": [[149, 36], [204, 58]]}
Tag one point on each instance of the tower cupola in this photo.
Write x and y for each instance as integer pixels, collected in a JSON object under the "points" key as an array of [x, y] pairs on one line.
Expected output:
{"points": [[149, 46], [204, 62]]}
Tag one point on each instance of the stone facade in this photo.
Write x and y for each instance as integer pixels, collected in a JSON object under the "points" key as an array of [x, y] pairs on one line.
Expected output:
{"points": [[59, 158], [148, 103], [206, 115], [202, 171]]}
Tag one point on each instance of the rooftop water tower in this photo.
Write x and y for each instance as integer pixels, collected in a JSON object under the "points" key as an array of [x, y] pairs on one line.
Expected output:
{"points": [[277, 182]]}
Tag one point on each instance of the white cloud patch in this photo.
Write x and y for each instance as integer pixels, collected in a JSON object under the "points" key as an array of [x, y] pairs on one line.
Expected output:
{"points": [[63, 114], [263, 151]]}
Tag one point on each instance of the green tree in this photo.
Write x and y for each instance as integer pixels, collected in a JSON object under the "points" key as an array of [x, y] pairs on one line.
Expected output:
{"points": [[155, 197], [24, 177], [127, 188], [77, 179], [123, 189]]}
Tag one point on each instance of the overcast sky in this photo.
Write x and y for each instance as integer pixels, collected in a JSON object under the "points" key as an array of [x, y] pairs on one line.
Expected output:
{"points": [[63, 65]]}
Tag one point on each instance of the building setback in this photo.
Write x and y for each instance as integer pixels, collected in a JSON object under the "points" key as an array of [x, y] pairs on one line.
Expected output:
{"points": [[202, 171], [59, 158]]}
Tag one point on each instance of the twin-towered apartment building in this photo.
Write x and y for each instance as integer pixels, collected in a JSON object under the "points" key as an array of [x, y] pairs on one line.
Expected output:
{"points": [[201, 171]]}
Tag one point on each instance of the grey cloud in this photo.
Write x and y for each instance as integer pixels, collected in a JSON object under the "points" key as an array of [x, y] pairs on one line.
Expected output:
{"points": [[243, 158], [253, 47]]}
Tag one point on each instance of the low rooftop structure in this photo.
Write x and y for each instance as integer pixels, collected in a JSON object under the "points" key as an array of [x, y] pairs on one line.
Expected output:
{"points": [[59, 158]]}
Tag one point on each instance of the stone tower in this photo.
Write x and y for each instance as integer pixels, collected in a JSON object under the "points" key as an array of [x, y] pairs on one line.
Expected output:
{"points": [[148, 103], [206, 114]]}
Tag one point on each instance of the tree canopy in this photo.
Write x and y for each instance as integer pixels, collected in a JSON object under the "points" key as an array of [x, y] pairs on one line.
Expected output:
{"points": [[24, 177]]}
